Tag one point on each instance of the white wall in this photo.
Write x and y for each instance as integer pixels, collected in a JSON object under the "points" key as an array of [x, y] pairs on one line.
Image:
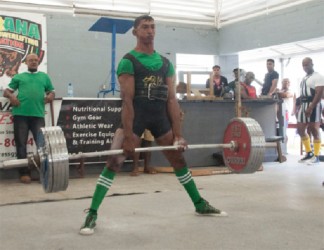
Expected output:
{"points": [[298, 23]]}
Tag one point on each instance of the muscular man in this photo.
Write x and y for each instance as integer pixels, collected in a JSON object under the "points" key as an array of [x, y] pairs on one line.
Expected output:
{"points": [[148, 101], [35, 89], [309, 114], [270, 79]]}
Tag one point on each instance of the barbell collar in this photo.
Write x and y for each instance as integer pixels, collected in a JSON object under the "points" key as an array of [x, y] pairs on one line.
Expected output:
{"points": [[17, 163], [270, 145]]}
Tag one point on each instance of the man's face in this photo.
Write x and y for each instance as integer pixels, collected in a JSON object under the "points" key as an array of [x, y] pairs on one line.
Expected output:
{"points": [[145, 31], [249, 78], [236, 75], [32, 62], [307, 66], [285, 84], [216, 71], [270, 66]]}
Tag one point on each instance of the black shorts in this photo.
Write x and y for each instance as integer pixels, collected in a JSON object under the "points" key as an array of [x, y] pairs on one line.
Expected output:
{"points": [[151, 115]]}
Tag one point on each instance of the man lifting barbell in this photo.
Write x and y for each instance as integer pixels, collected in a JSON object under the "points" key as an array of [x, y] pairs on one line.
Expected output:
{"points": [[154, 107], [148, 101]]}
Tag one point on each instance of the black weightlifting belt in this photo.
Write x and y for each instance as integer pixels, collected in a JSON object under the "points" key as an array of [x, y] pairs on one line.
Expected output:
{"points": [[306, 99], [153, 92]]}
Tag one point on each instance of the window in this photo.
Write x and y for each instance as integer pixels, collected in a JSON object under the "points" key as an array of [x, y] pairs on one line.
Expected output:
{"points": [[200, 67]]}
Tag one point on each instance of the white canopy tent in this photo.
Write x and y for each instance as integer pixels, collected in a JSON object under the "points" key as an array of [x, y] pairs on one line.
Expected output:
{"points": [[210, 13]]}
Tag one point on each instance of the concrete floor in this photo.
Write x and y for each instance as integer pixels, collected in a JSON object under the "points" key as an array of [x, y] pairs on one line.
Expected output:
{"points": [[279, 208]]}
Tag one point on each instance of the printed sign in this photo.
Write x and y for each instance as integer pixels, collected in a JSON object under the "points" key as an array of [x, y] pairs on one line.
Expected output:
{"points": [[89, 124]]}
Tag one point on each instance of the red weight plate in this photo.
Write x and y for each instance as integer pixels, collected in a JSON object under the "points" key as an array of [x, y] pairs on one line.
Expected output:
{"points": [[237, 159], [249, 137]]}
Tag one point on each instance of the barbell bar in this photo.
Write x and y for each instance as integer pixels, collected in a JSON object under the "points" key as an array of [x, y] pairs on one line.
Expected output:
{"points": [[19, 163], [243, 151], [149, 149]]}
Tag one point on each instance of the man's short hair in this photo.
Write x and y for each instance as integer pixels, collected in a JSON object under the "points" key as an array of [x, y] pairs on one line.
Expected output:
{"points": [[236, 70], [140, 18], [250, 74], [271, 60], [216, 67]]}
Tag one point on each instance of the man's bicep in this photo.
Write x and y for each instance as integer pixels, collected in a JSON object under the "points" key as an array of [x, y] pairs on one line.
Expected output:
{"points": [[13, 85], [274, 81], [320, 90], [170, 81], [49, 86], [127, 85]]}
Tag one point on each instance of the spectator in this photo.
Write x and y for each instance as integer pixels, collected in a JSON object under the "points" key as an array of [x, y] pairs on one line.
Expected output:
{"points": [[270, 79], [218, 81], [181, 90], [147, 139], [35, 89], [288, 98], [247, 90], [231, 85]]}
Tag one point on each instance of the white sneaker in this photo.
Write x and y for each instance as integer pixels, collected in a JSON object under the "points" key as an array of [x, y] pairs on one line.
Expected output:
{"points": [[313, 160]]}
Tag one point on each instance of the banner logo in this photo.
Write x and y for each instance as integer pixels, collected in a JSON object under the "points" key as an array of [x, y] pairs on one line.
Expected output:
{"points": [[18, 38]]}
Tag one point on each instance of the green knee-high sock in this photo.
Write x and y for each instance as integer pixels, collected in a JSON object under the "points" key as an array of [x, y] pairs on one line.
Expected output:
{"points": [[103, 184], [185, 178]]}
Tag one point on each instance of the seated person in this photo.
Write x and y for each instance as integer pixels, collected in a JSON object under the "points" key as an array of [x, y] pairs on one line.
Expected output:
{"points": [[181, 90], [218, 81], [147, 140], [247, 90]]}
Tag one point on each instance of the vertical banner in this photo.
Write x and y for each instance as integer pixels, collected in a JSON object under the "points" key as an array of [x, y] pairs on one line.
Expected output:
{"points": [[20, 35], [89, 124]]}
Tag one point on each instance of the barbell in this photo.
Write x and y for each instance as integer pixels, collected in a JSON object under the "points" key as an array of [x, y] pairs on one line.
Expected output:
{"points": [[243, 152]]}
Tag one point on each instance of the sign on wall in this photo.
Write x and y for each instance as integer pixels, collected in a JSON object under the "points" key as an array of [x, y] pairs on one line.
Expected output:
{"points": [[89, 124], [20, 35]]}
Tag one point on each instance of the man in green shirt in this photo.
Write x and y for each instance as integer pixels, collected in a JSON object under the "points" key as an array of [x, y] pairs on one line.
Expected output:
{"points": [[148, 100], [34, 89]]}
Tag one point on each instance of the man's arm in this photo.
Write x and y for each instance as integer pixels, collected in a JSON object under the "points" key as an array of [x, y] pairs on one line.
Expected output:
{"points": [[49, 97], [12, 98], [244, 94], [173, 108], [273, 87], [317, 98], [286, 94], [127, 90], [294, 109]]}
